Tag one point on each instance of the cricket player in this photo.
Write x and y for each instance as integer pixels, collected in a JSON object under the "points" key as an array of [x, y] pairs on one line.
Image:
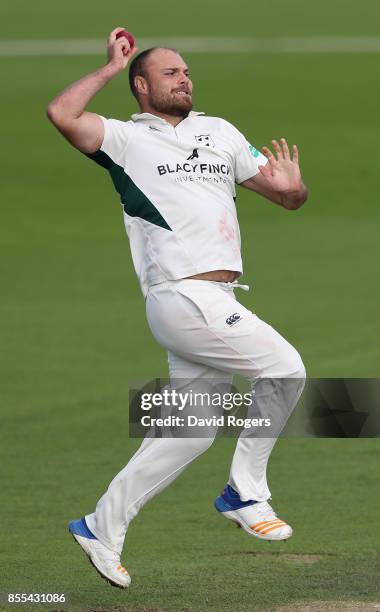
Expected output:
{"points": [[175, 171]]}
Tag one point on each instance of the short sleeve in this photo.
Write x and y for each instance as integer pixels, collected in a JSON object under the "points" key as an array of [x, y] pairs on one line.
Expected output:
{"points": [[247, 157], [116, 138]]}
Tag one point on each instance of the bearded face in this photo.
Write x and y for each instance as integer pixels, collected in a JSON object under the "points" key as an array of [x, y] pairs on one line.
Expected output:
{"points": [[175, 101], [166, 87]]}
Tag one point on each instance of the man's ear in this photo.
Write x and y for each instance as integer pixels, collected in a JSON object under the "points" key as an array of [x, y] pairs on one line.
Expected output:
{"points": [[141, 85]]}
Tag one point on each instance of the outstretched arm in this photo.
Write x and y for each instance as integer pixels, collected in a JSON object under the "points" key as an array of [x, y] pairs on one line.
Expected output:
{"points": [[280, 179], [82, 129]]}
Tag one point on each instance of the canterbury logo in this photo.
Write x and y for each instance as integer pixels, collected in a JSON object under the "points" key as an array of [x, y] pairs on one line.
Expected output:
{"points": [[234, 318], [193, 155]]}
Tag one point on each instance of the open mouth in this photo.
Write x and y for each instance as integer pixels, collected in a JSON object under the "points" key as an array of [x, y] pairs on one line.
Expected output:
{"points": [[182, 92]]}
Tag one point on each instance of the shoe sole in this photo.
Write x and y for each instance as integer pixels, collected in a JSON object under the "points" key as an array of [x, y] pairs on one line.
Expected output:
{"points": [[106, 578]]}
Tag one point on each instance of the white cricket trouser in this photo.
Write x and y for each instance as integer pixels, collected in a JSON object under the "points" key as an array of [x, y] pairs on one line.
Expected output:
{"points": [[189, 318]]}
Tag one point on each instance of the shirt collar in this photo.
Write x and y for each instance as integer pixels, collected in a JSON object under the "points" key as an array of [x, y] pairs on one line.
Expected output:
{"points": [[150, 118]]}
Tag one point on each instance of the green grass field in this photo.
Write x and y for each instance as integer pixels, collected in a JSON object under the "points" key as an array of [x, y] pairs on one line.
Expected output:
{"points": [[74, 332]]}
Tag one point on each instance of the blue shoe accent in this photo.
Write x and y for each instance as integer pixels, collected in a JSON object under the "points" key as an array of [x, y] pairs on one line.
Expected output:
{"points": [[230, 500], [80, 528]]}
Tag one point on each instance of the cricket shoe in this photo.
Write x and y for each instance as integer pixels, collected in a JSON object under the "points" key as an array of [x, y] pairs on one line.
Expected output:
{"points": [[105, 561], [256, 518]]}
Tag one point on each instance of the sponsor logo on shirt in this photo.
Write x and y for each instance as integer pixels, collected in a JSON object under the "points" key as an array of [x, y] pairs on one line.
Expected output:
{"points": [[232, 319], [253, 151], [194, 154], [224, 169]]}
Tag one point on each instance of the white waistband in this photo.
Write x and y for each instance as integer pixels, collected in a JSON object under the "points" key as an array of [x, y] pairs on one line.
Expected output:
{"points": [[221, 284]]}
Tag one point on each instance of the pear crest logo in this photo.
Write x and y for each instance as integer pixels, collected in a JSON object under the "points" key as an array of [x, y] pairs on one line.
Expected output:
{"points": [[205, 140]]}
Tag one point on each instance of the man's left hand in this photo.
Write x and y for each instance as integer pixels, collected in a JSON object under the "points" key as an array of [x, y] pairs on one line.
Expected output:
{"points": [[282, 172]]}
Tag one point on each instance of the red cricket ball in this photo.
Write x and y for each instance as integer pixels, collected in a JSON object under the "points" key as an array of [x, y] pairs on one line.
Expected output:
{"points": [[130, 38]]}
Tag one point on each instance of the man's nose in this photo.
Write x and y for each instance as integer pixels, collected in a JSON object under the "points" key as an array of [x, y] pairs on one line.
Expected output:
{"points": [[184, 79]]}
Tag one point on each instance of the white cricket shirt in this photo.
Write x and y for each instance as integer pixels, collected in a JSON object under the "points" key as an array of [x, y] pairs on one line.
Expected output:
{"points": [[177, 189]]}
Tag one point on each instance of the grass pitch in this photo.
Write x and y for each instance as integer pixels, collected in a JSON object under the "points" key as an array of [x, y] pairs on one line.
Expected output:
{"points": [[74, 330]]}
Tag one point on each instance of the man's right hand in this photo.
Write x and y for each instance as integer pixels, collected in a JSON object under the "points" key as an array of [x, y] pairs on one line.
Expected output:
{"points": [[119, 50], [84, 130]]}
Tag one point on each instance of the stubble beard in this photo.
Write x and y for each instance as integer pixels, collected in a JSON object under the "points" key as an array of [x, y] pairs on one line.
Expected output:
{"points": [[170, 104]]}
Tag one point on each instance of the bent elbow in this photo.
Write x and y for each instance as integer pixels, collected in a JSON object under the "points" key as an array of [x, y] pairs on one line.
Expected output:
{"points": [[298, 201], [297, 205], [55, 115], [51, 113]]}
